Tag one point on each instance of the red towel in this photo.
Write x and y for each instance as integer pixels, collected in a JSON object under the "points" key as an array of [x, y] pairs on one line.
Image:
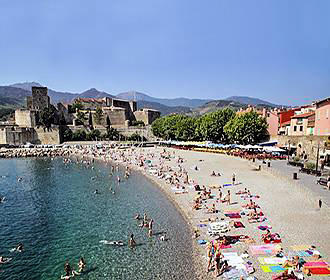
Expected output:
{"points": [[320, 271], [238, 225]]}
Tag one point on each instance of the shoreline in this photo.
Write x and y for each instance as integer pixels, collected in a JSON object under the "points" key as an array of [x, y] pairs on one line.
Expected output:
{"points": [[290, 207]]}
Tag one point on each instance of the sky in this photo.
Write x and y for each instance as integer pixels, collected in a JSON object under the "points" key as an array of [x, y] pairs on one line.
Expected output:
{"points": [[276, 50]]}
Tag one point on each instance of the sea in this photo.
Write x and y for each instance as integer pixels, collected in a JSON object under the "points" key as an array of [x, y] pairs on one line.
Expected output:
{"points": [[51, 208]]}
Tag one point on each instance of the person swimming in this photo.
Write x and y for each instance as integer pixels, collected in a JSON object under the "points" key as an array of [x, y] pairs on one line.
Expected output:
{"points": [[19, 248], [137, 216], [96, 191], [4, 260]]}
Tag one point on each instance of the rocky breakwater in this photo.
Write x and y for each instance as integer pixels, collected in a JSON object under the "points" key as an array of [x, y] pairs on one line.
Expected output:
{"points": [[33, 152]]}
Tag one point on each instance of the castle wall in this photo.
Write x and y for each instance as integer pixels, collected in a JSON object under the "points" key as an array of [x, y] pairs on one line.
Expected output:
{"points": [[117, 116], [147, 116], [25, 118], [17, 135], [48, 137], [125, 105]]}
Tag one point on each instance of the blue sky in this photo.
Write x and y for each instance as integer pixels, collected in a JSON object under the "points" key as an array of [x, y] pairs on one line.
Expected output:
{"points": [[275, 50]]}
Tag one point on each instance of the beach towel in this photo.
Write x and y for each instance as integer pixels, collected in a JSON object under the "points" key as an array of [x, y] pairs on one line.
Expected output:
{"points": [[271, 260], [276, 277], [272, 268], [303, 253], [265, 249], [264, 227], [324, 271], [300, 247], [227, 185], [234, 274], [238, 224], [273, 241], [201, 241], [316, 264], [233, 216], [230, 254], [202, 225], [231, 211]]}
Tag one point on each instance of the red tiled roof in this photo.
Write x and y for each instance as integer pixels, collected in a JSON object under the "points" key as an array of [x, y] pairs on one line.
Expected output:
{"points": [[89, 100], [286, 123], [305, 115]]}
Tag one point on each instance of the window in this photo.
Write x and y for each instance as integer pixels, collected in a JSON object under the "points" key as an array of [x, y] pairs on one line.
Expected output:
{"points": [[301, 128], [295, 128]]}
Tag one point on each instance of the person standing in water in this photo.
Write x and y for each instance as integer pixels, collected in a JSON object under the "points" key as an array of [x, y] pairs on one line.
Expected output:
{"points": [[81, 264], [131, 241], [67, 268]]}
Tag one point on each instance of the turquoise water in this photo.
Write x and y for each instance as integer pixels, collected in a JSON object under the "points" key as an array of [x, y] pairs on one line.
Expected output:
{"points": [[55, 214]]}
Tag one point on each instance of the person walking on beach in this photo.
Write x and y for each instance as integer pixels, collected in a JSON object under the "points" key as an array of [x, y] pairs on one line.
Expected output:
{"points": [[210, 252], [233, 179]]}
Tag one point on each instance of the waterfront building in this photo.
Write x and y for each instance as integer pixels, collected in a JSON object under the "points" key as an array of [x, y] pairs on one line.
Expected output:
{"points": [[322, 117]]}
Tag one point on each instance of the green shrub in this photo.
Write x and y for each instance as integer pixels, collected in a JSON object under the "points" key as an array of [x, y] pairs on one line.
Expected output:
{"points": [[310, 165], [296, 159]]}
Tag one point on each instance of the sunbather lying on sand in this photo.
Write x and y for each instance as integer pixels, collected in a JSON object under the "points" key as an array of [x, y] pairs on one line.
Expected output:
{"points": [[245, 191], [286, 275], [253, 215], [269, 237], [294, 263], [250, 205]]}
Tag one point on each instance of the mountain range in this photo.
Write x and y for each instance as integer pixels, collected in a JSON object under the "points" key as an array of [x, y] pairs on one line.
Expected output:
{"points": [[13, 96]]}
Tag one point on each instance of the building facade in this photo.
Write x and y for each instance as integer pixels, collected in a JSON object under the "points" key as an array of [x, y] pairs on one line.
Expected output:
{"points": [[322, 117]]}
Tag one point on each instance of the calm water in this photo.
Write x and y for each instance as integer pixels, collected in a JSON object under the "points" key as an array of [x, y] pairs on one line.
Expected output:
{"points": [[55, 214]]}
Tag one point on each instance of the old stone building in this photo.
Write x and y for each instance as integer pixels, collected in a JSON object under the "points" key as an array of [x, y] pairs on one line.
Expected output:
{"points": [[27, 127], [121, 113]]}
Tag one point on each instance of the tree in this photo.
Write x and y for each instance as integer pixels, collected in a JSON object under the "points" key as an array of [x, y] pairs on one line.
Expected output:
{"points": [[90, 120], [211, 126], [185, 129], [67, 134], [98, 116], [94, 135], [248, 128], [112, 133], [165, 127], [108, 122], [136, 137], [79, 135], [48, 116], [81, 117], [77, 106], [62, 119]]}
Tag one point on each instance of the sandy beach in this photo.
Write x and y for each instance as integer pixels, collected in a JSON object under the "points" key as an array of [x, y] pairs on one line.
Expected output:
{"points": [[291, 211]]}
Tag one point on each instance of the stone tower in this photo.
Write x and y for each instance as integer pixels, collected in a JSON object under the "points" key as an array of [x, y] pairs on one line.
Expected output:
{"points": [[39, 99]]}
